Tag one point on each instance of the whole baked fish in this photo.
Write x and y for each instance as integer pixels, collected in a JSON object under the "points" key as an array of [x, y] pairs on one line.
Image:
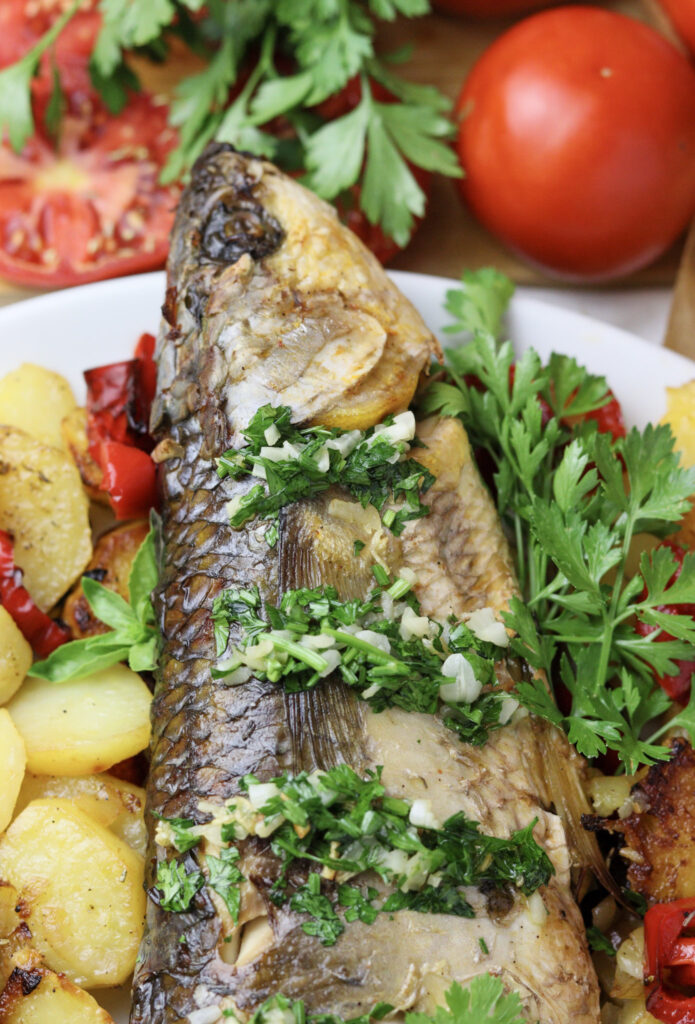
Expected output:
{"points": [[271, 300]]}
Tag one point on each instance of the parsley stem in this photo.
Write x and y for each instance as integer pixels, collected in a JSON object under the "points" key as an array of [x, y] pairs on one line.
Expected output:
{"points": [[375, 654], [310, 658]]}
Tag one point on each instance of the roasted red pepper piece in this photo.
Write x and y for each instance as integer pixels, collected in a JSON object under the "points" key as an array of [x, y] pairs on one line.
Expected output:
{"points": [[678, 686], [39, 629], [669, 935], [130, 479], [609, 418], [117, 405], [144, 353]]}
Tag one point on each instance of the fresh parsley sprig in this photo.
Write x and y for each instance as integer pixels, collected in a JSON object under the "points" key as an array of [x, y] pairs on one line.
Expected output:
{"points": [[483, 1000], [382, 647], [269, 59], [572, 499], [300, 463], [132, 637]]}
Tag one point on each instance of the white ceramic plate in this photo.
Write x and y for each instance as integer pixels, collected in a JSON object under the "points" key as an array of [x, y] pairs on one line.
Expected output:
{"points": [[72, 330]]}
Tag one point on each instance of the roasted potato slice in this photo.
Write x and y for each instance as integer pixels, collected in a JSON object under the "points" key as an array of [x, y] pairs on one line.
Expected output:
{"points": [[74, 434], [110, 564], [36, 400], [18, 939], [660, 840], [9, 916], [43, 505], [15, 656], [115, 804], [35, 995], [13, 761], [103, 719], [84, 889]]}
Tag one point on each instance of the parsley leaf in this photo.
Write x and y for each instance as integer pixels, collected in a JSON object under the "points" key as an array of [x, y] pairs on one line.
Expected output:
{"points": [[175, 886], [324, 923], [600, 942], [573, 499], [265, 59], [224, 877]]}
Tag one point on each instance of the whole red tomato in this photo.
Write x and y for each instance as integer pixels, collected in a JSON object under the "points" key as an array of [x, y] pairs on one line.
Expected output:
{"points": [[681, 13], [578, 141], [489, 8]]}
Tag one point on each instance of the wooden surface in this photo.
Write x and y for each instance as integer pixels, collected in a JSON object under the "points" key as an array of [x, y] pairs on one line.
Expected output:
{"points": [[449, 239]]}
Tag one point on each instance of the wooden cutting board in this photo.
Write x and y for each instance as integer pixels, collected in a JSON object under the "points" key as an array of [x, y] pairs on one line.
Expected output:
{"points": [[449, 239]]}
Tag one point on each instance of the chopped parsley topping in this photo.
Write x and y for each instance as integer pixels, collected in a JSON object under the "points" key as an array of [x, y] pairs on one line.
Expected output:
{"points": [[382, 647], [176, 887], [483, 1000], [573, 498], [599, 942], [347, 825], [371, 465], [224, 877]]}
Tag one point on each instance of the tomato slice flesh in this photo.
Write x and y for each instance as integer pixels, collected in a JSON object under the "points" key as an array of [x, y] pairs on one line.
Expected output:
{"points": [[92, 207]]}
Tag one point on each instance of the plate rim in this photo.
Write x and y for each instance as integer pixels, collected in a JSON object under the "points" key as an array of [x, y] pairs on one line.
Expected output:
{"points": [[60, 301]]}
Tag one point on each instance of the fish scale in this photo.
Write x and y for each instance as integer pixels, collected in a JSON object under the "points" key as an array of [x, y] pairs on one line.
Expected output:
{"points": [[269, 298]]}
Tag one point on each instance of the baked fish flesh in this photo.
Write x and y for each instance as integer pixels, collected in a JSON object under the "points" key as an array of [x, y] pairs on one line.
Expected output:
{"points": [[270, 301]]}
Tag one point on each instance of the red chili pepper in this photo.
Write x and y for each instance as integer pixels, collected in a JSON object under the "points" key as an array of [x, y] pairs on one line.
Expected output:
{"points": [[678, 686], [130, 479], [41, 631], [669, 933]]}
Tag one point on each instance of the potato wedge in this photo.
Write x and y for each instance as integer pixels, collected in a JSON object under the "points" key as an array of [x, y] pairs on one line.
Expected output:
{"points": [[43, 505], [74, 434], [36, 400], [9, 917], [111, 564], [35, 995], [84, 889], [15, 656], [680, 415], [13, 760], [115, 804], [85, 725], [20, 938]]}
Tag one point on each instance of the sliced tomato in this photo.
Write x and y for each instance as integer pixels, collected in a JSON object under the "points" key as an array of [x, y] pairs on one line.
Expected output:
{"points": [[92, 207], [23, 22]]}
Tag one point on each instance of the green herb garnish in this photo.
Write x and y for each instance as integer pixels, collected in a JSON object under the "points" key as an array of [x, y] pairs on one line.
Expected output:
{"points": [[382, 647], [244, 46], [133, 636], [572, 499], [483, 1000], [224, 877], [599, 942], [176, 887], [296, 464], [348, 824]]}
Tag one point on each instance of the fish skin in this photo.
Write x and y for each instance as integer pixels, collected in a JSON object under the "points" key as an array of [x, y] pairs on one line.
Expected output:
{"points": [[293, 263]]}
